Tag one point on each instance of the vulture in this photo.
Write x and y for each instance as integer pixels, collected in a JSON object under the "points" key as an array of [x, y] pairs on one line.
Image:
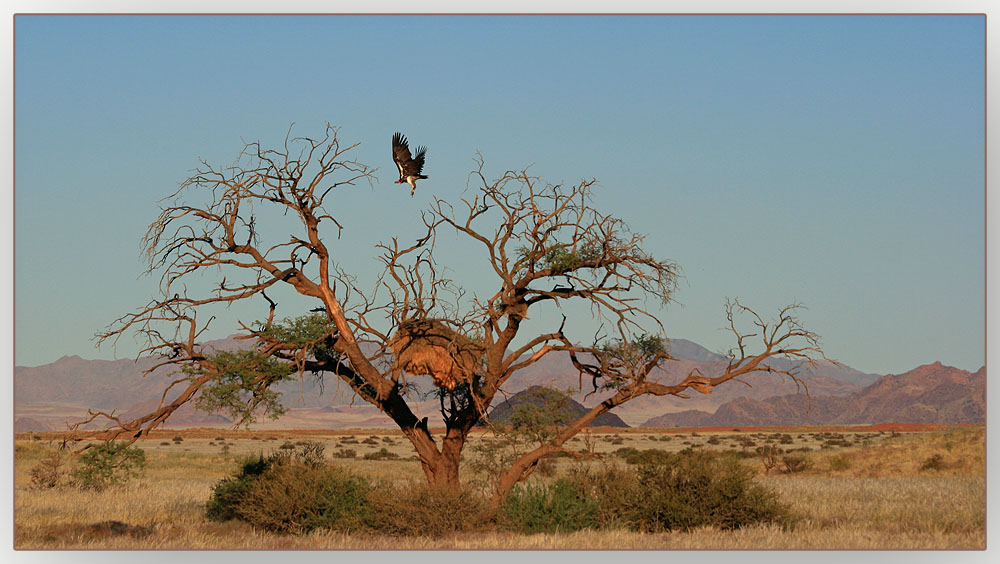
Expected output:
{"points": [[409, 167]]}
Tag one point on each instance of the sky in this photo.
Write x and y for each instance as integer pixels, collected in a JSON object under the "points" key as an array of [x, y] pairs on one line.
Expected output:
{"points": [[833, 161]]}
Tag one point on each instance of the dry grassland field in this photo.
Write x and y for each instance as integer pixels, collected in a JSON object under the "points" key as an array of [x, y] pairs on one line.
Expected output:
{"points": [[866, 488]]}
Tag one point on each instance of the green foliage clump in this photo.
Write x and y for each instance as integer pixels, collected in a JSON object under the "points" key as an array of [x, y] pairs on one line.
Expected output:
{"points": [[842, 462], [241, 385], [629, 358], [547, 508], [538, 418], [560, 259], [530, 423], [292, 493], [625, 452], [301, 331], [701, 489], [304, 332], [678, 491], [226, 495], [297, 492], [108, 464]]}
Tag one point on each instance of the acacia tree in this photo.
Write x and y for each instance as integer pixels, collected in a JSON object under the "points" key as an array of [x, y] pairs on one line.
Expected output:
{"points": [[544, 244]]}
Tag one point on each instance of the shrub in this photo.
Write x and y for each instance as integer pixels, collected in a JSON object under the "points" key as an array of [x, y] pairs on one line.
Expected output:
{"points": [[418, 510], [292, 497], [225, 500], [624, 452], [547, 508], [178, 439], [840, 463], [795, 463], [345, 453], [291, 493], [647, 456], [614, 488], [699, 489], [934, 462], [310, 452], [109, 463], [382, 454], [49, 472]]}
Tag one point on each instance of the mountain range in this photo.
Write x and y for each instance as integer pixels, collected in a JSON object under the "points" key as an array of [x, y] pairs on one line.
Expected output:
{"points": [[929, 394], [47, 397]]}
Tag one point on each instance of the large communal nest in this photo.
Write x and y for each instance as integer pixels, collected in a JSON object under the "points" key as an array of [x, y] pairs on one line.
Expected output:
{"points": [[428, 346]]}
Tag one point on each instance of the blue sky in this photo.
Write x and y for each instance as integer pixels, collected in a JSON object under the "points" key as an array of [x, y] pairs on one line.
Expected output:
{"points": [[836, 161]]}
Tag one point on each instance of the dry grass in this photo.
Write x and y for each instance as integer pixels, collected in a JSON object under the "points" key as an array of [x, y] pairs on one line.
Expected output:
{"points": [[878, 499], [962, 451]]}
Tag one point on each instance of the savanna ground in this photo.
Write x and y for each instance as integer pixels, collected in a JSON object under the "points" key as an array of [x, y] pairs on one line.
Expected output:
{"points": [[888, 487]]}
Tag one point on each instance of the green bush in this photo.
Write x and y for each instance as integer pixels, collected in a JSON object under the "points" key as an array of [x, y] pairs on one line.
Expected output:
{"points": [[614, 488], [664, 491], [226, 495], [292, 497], [625, 452], [840, 462], [547, 508], [291, 493], [108, 464], [699, 489], [795, 463]]}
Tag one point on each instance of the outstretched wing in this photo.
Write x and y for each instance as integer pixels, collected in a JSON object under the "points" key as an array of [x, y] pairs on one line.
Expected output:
{"points": [[401, 154], [418, 161]]}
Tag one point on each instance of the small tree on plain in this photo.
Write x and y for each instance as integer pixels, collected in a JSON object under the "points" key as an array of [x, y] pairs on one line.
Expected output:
{"points": [[543, 244]]}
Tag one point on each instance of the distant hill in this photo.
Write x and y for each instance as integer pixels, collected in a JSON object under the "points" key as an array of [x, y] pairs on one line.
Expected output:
{"points": [[543, 397], [55, 393], [556, 371], [932, 393], [689, 350]]}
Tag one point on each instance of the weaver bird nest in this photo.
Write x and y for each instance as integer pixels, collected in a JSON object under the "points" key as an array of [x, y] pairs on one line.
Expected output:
{"points": [[428, 346]]}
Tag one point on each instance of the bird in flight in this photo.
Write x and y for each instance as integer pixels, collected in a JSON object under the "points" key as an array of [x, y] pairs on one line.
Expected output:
{"points": [[409, 167]]}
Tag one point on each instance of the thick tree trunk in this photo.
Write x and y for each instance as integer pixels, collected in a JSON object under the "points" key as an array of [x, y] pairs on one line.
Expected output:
{"points": [[441, 468], [443, 474]]}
